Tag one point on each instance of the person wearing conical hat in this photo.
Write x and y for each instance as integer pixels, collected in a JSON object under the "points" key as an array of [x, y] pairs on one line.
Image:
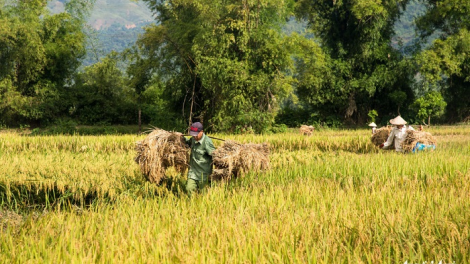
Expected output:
{"points": [[397, 135], [374, 127]]}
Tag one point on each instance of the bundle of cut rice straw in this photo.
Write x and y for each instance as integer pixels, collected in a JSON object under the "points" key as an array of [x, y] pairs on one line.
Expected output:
{"points": [[160, 150], [306, 130], [234, 159], [380, 135], [413, 137]]}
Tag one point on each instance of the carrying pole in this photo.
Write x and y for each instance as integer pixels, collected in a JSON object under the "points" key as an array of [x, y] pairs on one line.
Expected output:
{"points": [[206, 135]]}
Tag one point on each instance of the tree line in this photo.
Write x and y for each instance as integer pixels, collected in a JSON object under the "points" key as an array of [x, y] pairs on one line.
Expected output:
{"points": [[231, 65]]}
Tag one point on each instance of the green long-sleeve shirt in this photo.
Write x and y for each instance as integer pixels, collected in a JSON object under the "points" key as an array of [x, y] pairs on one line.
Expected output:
{"points": [[200, 160]]}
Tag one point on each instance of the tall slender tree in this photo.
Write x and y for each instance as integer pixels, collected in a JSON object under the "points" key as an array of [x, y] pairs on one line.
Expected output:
{"points": [[447, 61], [362, 66], [38, 54], [224, 62]]}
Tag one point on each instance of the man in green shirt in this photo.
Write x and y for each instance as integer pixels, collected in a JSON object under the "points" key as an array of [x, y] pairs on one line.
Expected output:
{"points": [[200, 160]]}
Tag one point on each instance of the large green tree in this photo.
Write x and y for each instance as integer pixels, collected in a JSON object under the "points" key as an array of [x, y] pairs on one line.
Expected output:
{"points": [[432, 104], [362, 70], [224, 62], [100, 94], [447, 61], [38, 54]]}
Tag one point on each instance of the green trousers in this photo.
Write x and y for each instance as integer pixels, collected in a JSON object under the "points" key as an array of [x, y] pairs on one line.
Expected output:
{"points": [[193, 185]]}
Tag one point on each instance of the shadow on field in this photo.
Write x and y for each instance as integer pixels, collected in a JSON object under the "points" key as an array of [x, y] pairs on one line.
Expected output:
{"points": [[175, 185], [36, 196], [25, 198]]}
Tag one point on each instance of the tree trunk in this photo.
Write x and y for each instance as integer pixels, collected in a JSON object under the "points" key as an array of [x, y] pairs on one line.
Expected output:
{"points": [[352, 108], [429, 120], [140, 120], [192, 103]]}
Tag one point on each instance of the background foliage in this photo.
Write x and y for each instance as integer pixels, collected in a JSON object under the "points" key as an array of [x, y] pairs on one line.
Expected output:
{"points": [[236, 66]]}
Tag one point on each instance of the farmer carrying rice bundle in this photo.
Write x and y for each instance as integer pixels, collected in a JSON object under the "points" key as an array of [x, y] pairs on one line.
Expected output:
{"points": [[374, 127], [406, 139], [161, 150], [397, 135], [231, 159], [200, 159]]}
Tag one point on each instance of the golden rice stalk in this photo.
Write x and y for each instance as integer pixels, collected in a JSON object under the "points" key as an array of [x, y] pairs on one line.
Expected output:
{"points": [[413, 137], [380, 135], [236, 159], [306, 130], [161, 150]]}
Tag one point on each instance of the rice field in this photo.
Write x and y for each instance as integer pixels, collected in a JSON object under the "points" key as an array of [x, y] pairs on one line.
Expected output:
{"points": [[328, 198]]}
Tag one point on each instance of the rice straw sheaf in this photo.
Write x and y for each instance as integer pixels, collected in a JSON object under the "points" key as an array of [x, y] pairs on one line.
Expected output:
{"points": [[413, 137], [306, 130], [159, 151], [234, 159], [9, 218], [380, 135]]}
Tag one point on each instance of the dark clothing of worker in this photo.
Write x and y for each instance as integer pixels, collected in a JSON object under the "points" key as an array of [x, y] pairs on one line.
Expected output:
{"points": [[200, 160], [200, 163]]}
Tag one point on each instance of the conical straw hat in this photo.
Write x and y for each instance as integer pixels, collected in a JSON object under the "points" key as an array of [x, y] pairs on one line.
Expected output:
{"points": [[372, 124], [398, 121]]}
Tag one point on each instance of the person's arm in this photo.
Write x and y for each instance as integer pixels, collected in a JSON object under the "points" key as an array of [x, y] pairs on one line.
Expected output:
{"points": [[411, 128], [389, 141], [209, 146]]}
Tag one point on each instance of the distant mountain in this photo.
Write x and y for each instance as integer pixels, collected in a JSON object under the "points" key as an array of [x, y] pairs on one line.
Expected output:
{"points": [[117, 24], [106, 13], [405, 29]]}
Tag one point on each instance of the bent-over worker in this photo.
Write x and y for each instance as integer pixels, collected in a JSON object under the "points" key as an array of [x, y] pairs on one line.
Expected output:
{"points": [[200, 159], [374, 127], [397, 135]]}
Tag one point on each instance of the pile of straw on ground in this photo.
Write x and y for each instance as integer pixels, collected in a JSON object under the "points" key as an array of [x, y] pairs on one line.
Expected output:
{"points": [[234, 159], [306, 130], [380, 135], [160, 150], [413, 137], [9, 218]]}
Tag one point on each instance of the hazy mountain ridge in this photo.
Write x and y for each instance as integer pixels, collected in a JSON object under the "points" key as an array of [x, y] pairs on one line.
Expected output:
{"points": [[117, 24], [112, 12]]}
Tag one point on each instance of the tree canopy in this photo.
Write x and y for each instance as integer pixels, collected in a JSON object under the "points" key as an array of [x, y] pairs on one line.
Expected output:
{"points": [[361, 66], [447, 60], [39, 53], [224, 62]]}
